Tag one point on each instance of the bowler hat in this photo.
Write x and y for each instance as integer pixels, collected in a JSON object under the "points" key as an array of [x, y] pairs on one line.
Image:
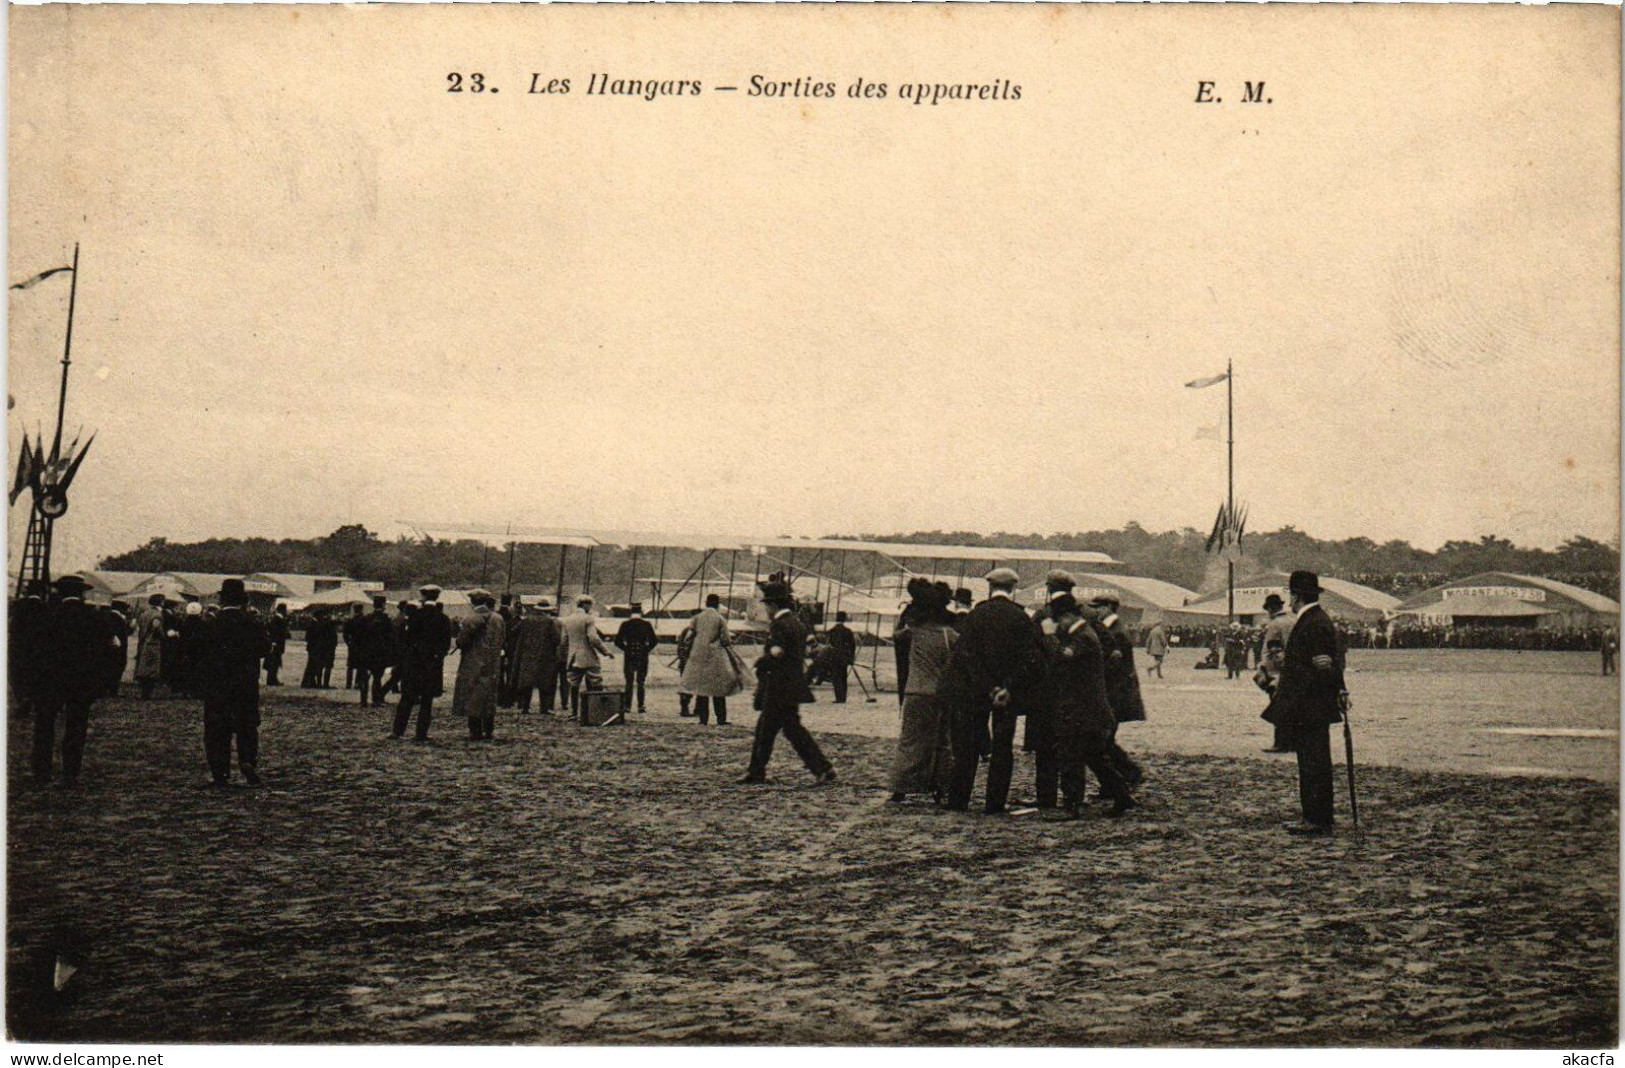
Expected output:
{"points": [[1273, 601], [840, 617], [233, 591], [71, 585], [1304, 583], [963, 595], [777, 592]]}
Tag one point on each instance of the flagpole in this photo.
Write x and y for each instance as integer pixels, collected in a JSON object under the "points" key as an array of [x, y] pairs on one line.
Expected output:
{"points": [[1230, 474], [67, 350]]}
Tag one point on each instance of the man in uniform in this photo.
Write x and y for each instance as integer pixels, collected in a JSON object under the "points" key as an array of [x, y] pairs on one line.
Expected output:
{"points": [[423, 663], [73, 653], [636, 640], [843, 647], [276, 630], [1310, 698], [1276, 631], [353, 663], [233, 647], [995, 672], [781, 690], [374, 641], [1122, 679]]}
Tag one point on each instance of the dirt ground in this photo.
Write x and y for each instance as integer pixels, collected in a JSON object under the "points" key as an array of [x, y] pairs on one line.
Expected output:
{"points": [[570, 885]]}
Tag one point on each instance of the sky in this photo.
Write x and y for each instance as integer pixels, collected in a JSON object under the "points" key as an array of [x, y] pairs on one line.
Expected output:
{"points": [[318, 289]]}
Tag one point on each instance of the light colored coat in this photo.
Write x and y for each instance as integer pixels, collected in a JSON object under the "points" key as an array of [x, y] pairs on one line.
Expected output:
{"points": [[581, 644], [710, 671], [149, 648], [480, 669], [1156, 642]]}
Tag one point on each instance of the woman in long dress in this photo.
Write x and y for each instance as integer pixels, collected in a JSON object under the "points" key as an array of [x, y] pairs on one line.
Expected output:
{"points": [[922, 760], [709, 676]]}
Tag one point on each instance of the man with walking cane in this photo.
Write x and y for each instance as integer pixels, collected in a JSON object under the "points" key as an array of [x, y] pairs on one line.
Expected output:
{"points": [[1311, 697]]}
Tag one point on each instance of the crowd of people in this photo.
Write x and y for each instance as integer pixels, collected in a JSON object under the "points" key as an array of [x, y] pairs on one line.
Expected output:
{"points": [[968, 676], [1406, 633]]}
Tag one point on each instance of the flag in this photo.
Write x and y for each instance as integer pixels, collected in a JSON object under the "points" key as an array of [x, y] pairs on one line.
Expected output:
{"points": [[1228, 527], [25, 468], [1210, 380], [42, 276]]}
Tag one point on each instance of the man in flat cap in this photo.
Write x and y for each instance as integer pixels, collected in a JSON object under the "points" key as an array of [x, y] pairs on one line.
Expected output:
{"points": [[233, 646], [73, 648], [636, 640], [1310, 698], [423, 663], [580, 649], [995, 672], [781, 690]]}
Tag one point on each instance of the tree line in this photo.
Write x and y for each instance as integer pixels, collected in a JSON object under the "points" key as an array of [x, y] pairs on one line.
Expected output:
{"points": [[1177, 556]]}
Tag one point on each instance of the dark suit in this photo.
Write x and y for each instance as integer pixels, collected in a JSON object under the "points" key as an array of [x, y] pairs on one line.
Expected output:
{"points": [[997, 648], [26, 661], [1307, 702], [843, 646], [781, 688], [1082, 724], [276, 629], [636, 640], [73, 651], [373, 647], [423, 667], [234, 643]]}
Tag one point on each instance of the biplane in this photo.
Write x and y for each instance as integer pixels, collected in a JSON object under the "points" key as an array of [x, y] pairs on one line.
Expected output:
{"points": [[867, 580]]}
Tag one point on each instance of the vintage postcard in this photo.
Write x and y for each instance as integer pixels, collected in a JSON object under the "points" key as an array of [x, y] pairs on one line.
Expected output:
{"points": [[814, 525]]}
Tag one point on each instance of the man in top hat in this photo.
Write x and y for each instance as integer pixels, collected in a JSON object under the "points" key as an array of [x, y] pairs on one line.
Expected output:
{"points": [[73, 650], [1276, 632], [995, 673], [781, 690], [1122, 678], [843, 653], [535, 656], [423, 663], [1310, 698], [373, 649], [1039, 736], [636, 640], [580, 649], [233, 647]]}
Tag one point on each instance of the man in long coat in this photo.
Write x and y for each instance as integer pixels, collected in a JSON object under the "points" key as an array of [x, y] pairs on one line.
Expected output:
{"points": [[709, 675], [1122, 678], [1039, 736], [1082, 723], [233, 646], [536, 656], [1275, 634], [1310, 698], [276, 629], [479, 672], [26, 661], [782, 689], [149, 645], [73, 648], [843, 651], [995, 673], [423, 663]]}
